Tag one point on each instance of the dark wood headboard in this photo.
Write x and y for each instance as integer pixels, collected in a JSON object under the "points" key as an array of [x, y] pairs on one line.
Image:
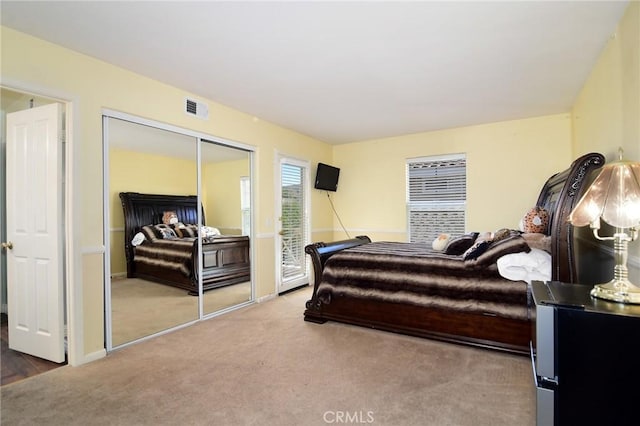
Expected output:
{"points": [[148, 209], [558, 196]]}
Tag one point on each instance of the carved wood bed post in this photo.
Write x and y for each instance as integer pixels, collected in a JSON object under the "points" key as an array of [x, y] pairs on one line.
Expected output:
{"points": [[319, 253], [573, 179]]}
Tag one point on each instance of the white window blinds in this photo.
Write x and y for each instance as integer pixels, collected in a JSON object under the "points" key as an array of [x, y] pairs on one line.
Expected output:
{"points": [[436, 196], [293, 221]]}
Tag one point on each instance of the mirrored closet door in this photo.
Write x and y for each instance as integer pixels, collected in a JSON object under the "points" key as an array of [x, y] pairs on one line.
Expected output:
{"points": [[164, 251], [226, 195]]}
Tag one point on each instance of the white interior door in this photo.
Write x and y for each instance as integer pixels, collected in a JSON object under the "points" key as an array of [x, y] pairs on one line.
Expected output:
{"points": [[34, 232], [293, 215]]}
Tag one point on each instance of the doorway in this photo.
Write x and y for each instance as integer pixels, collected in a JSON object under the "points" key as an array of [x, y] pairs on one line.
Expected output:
{"points": [[293, 218], [32, 266]]}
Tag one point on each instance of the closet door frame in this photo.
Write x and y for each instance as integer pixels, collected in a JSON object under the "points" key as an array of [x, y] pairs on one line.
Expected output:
{"points": [[199, 137]]}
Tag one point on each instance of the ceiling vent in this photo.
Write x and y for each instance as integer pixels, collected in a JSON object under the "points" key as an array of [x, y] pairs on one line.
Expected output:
{"points": [[195, 108]]}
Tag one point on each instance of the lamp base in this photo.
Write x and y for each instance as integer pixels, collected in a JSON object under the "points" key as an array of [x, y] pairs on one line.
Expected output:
{"points": [[621, 291]]}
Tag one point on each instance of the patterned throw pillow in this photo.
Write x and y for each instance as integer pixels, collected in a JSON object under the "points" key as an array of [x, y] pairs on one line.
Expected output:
{"points": [[497, 249], [476, 249], [178, 228], [460, 244], [164, 231], [481, 245], [150, 233], [189, 230], [501, 234], [535, 221]]}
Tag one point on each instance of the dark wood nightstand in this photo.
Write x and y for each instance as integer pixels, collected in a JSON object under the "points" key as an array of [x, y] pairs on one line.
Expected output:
{"points": [[586, 357]]}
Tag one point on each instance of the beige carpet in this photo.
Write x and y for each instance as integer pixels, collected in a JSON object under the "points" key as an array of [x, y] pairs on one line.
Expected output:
{"points": [[263, 365], [140, 308]]}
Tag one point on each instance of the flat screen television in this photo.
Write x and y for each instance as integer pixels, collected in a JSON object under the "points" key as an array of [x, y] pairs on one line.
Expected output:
{"points": [[327, 177]]}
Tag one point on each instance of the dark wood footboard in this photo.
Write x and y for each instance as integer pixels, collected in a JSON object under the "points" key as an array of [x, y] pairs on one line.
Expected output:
{"points": [[486, 331], [319, 253], [224, 261], [474, 329]]}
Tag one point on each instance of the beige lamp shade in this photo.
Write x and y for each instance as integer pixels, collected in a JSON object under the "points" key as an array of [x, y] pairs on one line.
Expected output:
{"points": [[614, 196]]}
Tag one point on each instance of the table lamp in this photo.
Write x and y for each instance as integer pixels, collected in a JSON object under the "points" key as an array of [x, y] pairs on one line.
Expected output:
{"points": [[614, 197]]}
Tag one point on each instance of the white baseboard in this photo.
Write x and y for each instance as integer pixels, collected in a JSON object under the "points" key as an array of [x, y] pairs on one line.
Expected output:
{"points": [[94, 356], [4, 309], [266, 298]]}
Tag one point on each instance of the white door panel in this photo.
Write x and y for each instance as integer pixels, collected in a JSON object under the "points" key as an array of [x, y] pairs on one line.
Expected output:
{"points": [[34, 228]]}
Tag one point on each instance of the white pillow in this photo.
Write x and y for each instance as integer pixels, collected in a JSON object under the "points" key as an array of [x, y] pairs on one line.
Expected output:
{"points": [[209, 231], [440, 243], [535, 265], [137, 239]]}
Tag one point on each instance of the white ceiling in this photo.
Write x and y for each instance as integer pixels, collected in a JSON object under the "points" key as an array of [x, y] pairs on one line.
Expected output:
{"points": [[346, 71]]}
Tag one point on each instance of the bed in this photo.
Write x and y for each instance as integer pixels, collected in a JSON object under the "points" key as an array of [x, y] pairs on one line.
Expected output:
{"points": [[411, 289], [167, 253]]}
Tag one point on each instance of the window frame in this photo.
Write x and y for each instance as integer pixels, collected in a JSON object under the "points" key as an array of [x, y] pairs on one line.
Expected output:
{"points": [[449, 211]]}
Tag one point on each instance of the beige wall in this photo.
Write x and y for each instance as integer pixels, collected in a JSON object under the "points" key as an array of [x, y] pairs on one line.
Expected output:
{"points": [[507, 164], [34, 65], [606, 114], [222, 201]]}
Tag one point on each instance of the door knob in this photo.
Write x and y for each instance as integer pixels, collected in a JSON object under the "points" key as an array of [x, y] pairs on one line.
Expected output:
{"points": [[8, 245]]}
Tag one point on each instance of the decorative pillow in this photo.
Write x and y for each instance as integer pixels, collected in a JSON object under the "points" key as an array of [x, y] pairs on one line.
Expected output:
{"points": [[165, 231], [168, 233], [458, 245], [535, 221], [479, 247], [151, 233], [189, 230], [440, 243], [495, 250], [169, 217], [503, 233], [538, 241], [178, 228], [209, 231]]}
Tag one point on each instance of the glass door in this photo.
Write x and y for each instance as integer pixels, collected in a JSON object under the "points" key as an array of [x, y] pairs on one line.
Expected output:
{"points": [[293, 234]]}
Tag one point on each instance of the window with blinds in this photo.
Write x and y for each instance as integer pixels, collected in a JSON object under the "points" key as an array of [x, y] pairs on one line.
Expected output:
{"points": [[293, 223], [436, 196]]}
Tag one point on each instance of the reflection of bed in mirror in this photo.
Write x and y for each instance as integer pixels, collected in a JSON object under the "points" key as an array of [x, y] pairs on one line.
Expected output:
{"points": [[168, 253]]}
